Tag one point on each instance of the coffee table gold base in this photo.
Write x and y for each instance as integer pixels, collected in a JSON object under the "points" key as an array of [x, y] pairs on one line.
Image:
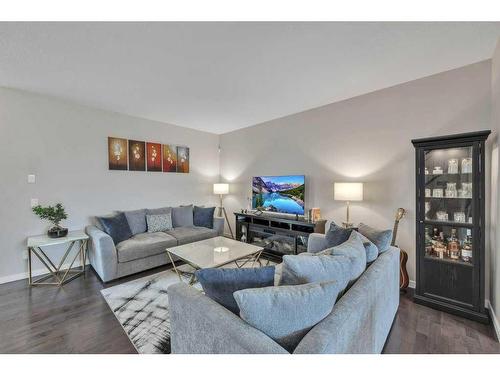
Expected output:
{"points": [[255, 258], [61, 276]]}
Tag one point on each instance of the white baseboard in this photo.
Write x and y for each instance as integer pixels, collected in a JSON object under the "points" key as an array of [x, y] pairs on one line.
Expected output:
{"points": [[412, 284], [494, 319], [35, 273]]}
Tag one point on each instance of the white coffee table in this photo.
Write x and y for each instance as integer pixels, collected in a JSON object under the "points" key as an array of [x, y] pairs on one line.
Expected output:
{"points": [[213, 253]]}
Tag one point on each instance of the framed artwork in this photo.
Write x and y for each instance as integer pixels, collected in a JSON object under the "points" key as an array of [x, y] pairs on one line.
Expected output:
{"points": [[182, 159], [153, 152], [169, 158], [117, 154], [136, 155]]}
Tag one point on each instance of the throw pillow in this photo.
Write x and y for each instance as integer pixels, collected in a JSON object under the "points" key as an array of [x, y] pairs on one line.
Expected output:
{"points": [[353, 249], [220, 283], [370, 248], [287, 313], [182, 216], [337, 235], [203, 217], [159, 223], [159, 211], [381, 238], [136, 221], [311, 269], [116, 226]]}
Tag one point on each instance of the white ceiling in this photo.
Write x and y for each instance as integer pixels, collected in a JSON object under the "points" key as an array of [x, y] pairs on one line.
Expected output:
{"points": [[219, 77]]}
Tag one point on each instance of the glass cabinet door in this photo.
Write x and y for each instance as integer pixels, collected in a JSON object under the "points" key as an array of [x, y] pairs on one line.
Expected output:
{"points": [[448, 204]]}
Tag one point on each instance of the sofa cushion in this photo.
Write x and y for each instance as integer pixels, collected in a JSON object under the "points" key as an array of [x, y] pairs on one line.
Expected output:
{"points": [[159, 211], [370, 248], [116, 226], [159, 223], [191, 234], [312, 269], [182, 216], [337, 235], [136, 221], [144, 245], [381, 238], [203, 217], [353, 249], [220, 283], [287, 313]]}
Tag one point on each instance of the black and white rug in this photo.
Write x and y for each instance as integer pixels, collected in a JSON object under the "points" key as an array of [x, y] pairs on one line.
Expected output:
{"points": [[141, 307]]}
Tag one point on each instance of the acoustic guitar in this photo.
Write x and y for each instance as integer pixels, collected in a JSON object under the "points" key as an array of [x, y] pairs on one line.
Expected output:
{"points": [[403, 258]]}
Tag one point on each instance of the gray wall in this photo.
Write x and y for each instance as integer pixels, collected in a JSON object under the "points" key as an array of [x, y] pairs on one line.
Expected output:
{"points": [[494, 261], [367, 139], [65, 145]]}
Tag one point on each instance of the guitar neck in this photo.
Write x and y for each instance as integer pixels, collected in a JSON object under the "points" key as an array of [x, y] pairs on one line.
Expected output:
{"points": [[394, 232]]}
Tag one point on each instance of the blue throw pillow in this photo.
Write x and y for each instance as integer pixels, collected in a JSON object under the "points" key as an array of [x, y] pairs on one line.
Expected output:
{"points": [[203, 217], [337, 235], [220, 283], [117, 227], [381, 238]]}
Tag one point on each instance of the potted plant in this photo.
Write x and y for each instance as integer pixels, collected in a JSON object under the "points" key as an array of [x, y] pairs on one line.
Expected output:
{"points": [[54, 214]]}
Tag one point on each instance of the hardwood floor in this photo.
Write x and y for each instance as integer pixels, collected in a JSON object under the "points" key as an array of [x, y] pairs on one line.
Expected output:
{"points": [[76, 319]]}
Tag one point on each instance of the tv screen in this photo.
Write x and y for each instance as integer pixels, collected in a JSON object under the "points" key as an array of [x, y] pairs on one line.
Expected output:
{"points": [[283, 194]]}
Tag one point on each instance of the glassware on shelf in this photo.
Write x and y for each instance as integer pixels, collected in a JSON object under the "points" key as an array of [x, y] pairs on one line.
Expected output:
{"points": [[466, 190], [459, 217], [437, 193], [428, 242], [427, 209], [453, 166], [470, 219], [442, 215], [451, 190], [466, 254], [437, 170], [427, 193], [426, 171], [440, 248], [467, 165]]}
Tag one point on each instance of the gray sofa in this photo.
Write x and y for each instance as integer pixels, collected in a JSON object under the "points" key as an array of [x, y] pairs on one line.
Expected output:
{"points": [[143, 250], [359, 322]]}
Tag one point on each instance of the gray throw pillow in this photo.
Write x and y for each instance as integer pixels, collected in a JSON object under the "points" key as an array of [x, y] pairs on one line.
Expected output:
{"points": [[116, 226], [136, 221], [370, 248], [312, 269], [159, 223], [381, 238], [182, 216], [203, 217], [287, 313], [353, 249], [220, 283], [336, 235], [159, 211]]}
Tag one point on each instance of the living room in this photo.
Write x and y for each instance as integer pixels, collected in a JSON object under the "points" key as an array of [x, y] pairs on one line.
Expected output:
{"points": [[278, 187]]}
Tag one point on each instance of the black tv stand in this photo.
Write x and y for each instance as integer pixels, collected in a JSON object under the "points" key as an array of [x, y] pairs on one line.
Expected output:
{"points": [[278, 234]]}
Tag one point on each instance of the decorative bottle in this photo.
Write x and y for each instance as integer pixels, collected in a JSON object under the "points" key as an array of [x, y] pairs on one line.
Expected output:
{"points": [[466, 255], [453, 245]]}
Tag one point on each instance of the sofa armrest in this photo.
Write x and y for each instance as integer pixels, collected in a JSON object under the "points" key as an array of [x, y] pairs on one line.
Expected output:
{"points": [[316, 243], [199, 325], [102, 253], [219, 225]]}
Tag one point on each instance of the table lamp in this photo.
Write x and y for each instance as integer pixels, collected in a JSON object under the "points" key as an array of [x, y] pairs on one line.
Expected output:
{"points": [[223, 189], [348, 191]]}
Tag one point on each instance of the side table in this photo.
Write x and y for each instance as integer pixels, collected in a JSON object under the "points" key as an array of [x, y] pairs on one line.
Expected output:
{"points": [[74, 240]]}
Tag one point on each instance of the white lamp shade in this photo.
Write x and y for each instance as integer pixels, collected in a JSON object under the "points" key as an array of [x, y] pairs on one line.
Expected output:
{"points": [[348, 191], [221, 189]]}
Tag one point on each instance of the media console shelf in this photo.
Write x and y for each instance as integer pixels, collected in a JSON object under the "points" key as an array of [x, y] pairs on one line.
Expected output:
{"points": [[279, 235]]}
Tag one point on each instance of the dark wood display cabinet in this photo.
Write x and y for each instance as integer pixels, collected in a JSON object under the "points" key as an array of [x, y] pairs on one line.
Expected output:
{"points": [[450, 214]]}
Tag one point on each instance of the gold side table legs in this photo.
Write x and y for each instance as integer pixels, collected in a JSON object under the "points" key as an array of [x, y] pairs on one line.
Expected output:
{"points": [[60, 276]]}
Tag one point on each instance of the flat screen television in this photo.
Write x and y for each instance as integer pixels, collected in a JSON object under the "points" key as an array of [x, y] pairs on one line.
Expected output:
{"points": [[281, 194]]}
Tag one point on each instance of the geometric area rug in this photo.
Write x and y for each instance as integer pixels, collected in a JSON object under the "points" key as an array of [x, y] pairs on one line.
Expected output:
{"points": [[141, 307]]}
